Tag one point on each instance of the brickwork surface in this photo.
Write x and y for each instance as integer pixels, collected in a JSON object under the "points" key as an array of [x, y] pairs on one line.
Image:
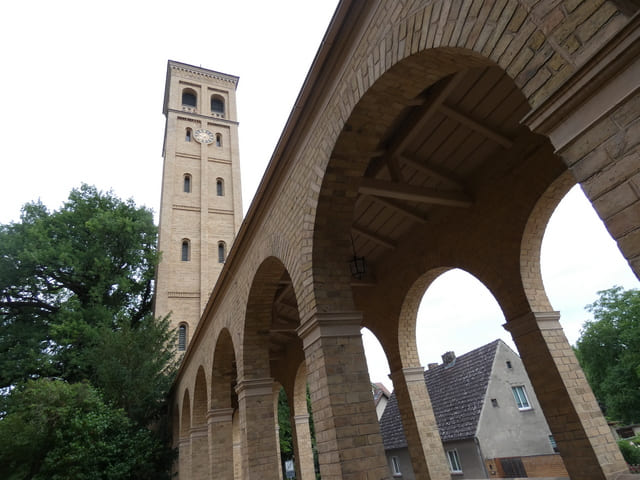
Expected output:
{"points": [[564, 62]]}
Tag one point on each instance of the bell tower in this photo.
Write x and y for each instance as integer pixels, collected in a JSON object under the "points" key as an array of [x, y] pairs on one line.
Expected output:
{"points": [[201, 203]]}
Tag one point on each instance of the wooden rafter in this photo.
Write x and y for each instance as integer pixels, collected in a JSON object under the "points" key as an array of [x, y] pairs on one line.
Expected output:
{"points": [[399, 208], [374, 237], [433, 171], [466, 120], [399, 191]]}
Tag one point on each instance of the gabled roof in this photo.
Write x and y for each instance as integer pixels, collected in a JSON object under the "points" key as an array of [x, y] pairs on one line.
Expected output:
{"points": [[457, 391], [379, 391]]}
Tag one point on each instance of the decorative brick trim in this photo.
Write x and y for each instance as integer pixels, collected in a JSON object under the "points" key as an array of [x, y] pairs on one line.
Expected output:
{"points": [[220, 415], [199, 431], [408, 375], [338, 324], [254, 388], [301, 419], [533, 321]]}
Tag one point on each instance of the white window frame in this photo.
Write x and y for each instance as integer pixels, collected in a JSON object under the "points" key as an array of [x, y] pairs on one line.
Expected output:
{"points": [[395, 467], [520, 396], [454, 461]]}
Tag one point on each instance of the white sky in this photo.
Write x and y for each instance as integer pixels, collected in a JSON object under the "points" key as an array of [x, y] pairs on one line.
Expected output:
{"points": [[82, 88]]}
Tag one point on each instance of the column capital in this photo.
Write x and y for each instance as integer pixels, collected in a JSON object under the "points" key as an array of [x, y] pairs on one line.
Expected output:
{"points": [[219, 415], [408, 374], [199, 431], [301, 419], [330, 324], [531, 322], [254, 387]]}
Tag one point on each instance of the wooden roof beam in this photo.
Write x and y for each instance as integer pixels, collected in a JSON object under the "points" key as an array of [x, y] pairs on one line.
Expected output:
{"points": [[399, 191], [466, 120], [433, 171], [374, 237], [398, 208]]}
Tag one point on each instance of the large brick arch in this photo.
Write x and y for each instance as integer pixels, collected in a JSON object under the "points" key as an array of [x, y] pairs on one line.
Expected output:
{"points": [[223, 374]]}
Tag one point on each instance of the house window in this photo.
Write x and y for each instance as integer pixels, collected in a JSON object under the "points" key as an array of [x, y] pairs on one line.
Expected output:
{"points": [[221, 252], [219, 187], [187, 135], [508, 364], [494, 402], [521, 398], [395, 466], [185, 254], [454, 461], [189, 98], [218, 139], [553, 443], [187, 183], [182, 338], [217, 105]]}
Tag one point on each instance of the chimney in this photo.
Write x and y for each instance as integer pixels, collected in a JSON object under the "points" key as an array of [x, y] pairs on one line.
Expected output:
{"points": [[431, 366], [448, 358]]}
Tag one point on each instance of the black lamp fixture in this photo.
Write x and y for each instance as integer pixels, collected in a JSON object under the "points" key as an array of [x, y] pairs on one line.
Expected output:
{"points": [[357, 264]]}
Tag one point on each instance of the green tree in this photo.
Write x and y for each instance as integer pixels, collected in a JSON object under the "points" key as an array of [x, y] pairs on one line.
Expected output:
{"points": [[54, 430], [63, 274], [75, 305], [609, 352]]}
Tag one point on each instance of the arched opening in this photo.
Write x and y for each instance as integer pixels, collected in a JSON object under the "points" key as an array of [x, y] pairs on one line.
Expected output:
{"points": [[217, 105], [222, 252], [218, 139], [199, 430], [184, 451], [189, 98], [185, 250], [219, 187], [183, 337], [188, 134], [186, 183]]}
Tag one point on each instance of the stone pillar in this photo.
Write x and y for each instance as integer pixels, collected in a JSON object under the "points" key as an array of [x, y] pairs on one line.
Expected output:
{"points": [[199, 452], [305, 470], [221, 452], [347, 431], [237, 447], [419, 422], [276, 395], [585, 442], [184, 458], [257, 425]]}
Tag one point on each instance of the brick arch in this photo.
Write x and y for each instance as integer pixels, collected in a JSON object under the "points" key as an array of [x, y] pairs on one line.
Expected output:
{"points": [[185, 415], [254, 362], [299, 403], [536, 46], [532, 242], [199, 413], [223, 375]]}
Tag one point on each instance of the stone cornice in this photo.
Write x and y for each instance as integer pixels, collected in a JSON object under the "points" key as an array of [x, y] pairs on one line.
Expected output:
{"points": [[533, 321], [335, 324], [613, 70], [203, 72]]}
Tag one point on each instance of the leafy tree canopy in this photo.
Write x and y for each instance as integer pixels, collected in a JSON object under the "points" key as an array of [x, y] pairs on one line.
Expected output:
{"points": [[75, 306], [609, 352]]}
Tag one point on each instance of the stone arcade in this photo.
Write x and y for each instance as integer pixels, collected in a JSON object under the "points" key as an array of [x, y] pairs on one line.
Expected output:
{"points": [[432, 135]]}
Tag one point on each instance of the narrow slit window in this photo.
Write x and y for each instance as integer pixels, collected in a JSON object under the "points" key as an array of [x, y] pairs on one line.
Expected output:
{"points": [[187, 183], [182, 338], [187, 135], [185, 254], [220, 187], [221, 252], [218, 140]]}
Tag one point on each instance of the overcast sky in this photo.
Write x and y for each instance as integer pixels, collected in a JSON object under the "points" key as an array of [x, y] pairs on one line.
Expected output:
{"points": [[82, 88]]}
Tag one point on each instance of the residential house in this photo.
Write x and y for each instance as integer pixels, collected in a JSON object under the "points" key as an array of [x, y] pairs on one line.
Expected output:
{"points": [[380, 397], [489, 419]]}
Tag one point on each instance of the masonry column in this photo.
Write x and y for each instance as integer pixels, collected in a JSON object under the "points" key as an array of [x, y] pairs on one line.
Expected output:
{"points": [[419, 422], [302, 449], [199, 452], [257, 426], [347, 430], [583, 437], [184, 458], [220, 423]]}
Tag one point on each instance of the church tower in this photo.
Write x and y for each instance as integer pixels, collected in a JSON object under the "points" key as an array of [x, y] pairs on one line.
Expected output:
{"points": [[201, 203]]}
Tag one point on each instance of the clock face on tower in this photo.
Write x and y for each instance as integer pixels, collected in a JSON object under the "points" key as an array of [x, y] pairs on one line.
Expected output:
{"points": [[203, 136]]}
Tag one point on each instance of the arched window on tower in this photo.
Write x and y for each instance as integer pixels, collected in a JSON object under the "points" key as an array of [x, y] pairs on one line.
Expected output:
{"points": [[186, 250], [219, 187], [222, 253], [189, 98], [217, 105], [187, 183], [182, 337], [218, 139], [187, 134]]}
